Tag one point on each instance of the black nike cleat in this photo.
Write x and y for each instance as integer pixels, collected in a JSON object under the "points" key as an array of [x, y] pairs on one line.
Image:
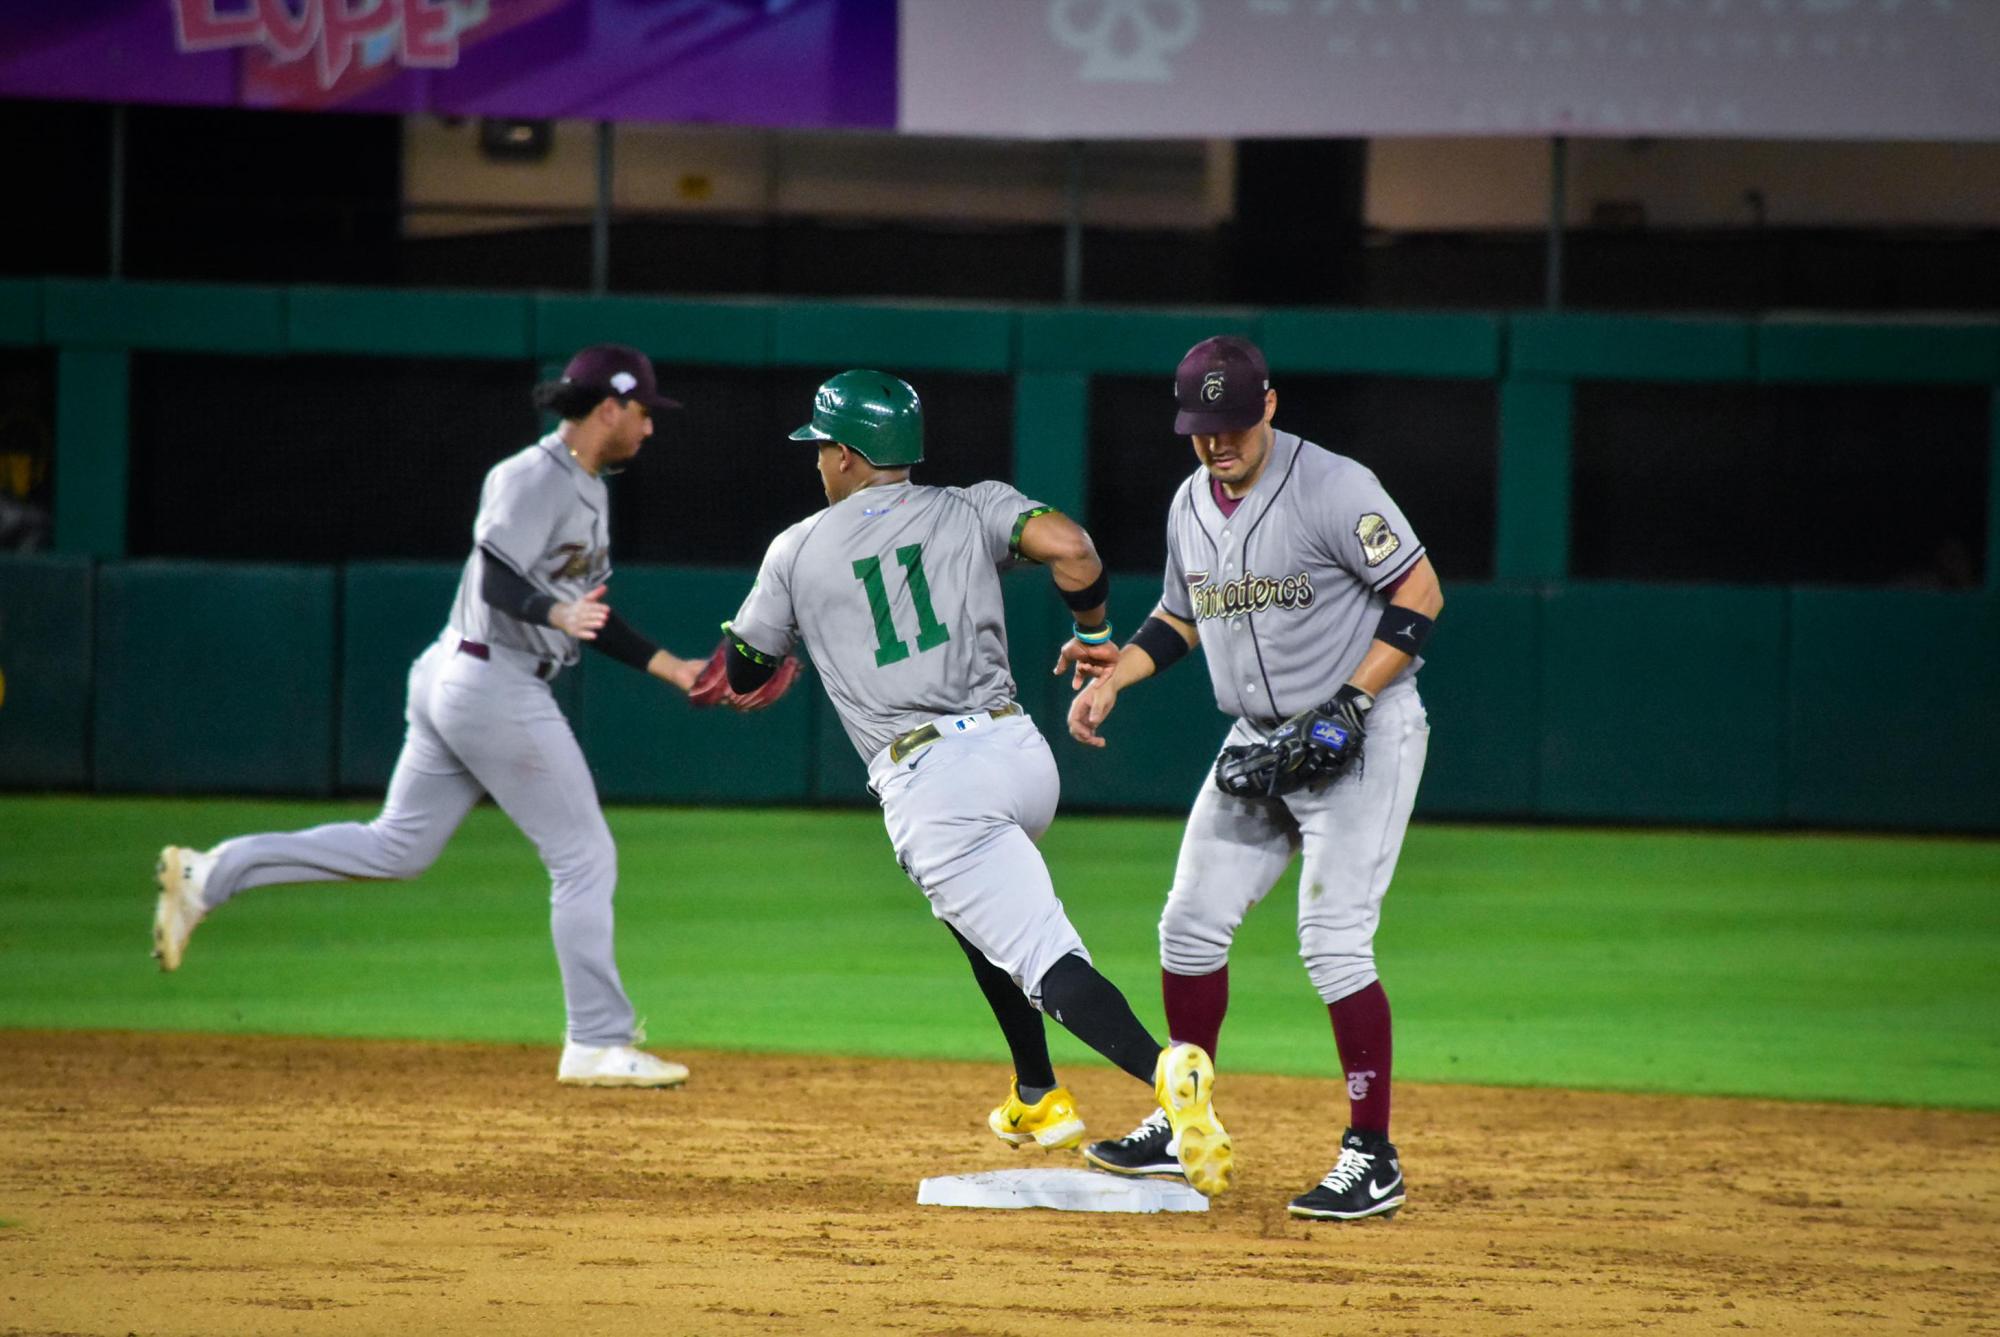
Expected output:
{"points": [[1366, 1181], [1146, 1150]]}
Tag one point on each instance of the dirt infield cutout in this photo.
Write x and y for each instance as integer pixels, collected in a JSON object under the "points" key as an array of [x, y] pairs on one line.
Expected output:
{"points": [[161, 1184]]}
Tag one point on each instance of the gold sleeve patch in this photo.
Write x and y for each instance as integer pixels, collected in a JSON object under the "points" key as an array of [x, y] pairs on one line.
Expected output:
{"points": [[1378, 541]]}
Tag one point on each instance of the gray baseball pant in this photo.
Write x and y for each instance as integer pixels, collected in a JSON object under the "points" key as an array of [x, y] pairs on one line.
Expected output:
{"points": [[475, 726]]}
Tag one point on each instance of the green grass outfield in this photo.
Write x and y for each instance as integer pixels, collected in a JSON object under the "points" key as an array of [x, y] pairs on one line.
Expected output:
{"points": [[1800, 966]]}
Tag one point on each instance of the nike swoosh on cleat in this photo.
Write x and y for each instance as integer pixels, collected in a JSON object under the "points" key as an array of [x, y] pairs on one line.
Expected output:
{"points": [[1014, 1119], [1380, 1193]]}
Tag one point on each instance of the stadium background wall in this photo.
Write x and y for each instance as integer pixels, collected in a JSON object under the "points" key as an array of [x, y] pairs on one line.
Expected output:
{"points": [[1552, 696]]}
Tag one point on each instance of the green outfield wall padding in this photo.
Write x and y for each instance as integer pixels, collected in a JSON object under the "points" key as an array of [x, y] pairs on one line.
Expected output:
{"points": [[893, 338], [1481, 684], [214, 678], [1531, 531], [1824, 351], [93, 396], [389, 611], [730, 334], [1135, 343], [1051, 445], [1895, 709], [45, 671], [1993, 496], [1628, 348], [185, 317], [1160, 741], [392, 322], [1389, 343], [1663, 703], [20, 311], [838, 773], [1124, 341], [646, 742]]}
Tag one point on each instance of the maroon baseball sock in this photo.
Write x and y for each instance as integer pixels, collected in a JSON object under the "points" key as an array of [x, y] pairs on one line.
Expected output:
{"points": [[1361, 1033], [1195, 1004]]}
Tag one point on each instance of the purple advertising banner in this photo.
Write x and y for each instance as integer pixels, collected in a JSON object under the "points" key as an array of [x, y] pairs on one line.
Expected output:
{"points": [[805, 63], [1795, 69]]}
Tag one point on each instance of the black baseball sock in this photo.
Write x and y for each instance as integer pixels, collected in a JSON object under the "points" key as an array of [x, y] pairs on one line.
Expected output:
{"points": [[1019, 1022], [1097, 1014]]}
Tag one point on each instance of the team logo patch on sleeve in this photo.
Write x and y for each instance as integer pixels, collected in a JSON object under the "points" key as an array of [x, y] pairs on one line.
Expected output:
{"points": [[1378, 541]]}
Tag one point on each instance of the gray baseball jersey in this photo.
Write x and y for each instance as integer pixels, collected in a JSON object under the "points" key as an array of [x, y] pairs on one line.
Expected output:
{"points": [[546, 518], [1287, 591], [896, 592]]}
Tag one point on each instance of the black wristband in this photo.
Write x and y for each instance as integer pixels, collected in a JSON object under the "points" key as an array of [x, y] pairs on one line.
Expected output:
{"points": [[1162, 643], [617, 639], [1091, 595], [1403, 629]]}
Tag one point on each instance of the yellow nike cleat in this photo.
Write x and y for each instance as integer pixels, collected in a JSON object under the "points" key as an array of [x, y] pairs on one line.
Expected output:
{"points": [[1184, 1082], [1051, 1122]]}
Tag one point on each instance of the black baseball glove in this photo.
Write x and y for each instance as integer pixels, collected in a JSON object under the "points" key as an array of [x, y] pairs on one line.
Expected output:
{"points": [[1307, 750]]}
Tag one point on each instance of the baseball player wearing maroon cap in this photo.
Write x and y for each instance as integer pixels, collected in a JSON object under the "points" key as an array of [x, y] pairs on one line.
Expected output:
{"points": [[482, 720], [1310, 595]]}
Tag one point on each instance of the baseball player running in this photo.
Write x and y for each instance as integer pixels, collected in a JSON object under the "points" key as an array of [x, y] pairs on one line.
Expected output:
{"points": [[483, 720], [1311, 596], [896, 588]]}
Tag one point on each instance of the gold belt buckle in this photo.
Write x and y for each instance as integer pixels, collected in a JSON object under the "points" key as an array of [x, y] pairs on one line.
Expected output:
{"points": [[911, 741], [928, 734]]}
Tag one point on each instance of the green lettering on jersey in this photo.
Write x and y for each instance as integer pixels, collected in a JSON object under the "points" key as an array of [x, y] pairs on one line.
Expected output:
{"points": [[931, 633]]}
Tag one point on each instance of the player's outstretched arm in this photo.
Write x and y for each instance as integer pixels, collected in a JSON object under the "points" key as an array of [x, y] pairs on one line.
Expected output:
{"points": [[674, 670], [1062, 545], [595, 623], [1158, 645]]}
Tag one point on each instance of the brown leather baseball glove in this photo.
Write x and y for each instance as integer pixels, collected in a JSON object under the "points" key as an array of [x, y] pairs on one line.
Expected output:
{"points": [[711, 685]]}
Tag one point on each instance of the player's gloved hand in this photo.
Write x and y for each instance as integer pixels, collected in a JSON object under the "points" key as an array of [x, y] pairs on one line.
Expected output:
{"points": [[771, 689], [1311, 748], [711, 685]]}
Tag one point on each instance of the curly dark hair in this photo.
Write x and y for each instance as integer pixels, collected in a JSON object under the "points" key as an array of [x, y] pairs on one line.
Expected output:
{"points": [[569, 400]]}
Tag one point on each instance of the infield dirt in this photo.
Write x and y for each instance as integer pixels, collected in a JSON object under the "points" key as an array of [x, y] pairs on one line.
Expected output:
{"points": [[158, 1184]]}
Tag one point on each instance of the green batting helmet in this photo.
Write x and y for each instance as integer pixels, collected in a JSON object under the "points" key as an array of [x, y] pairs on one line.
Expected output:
{"points": [[873, 414]]}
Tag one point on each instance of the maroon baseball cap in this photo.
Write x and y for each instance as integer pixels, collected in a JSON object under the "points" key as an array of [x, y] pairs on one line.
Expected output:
{"points": [[618, 370], [1220, 387]]}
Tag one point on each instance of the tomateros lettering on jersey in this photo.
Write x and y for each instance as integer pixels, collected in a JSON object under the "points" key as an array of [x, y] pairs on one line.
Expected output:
{"points": [[576, 561], [1248, 593], [1316, 545]]}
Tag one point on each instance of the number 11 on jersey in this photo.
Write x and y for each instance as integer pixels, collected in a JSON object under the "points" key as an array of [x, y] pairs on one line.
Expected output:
{"points": [[931, 633]]}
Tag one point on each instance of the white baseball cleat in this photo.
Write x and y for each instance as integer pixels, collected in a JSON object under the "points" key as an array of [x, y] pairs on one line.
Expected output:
{"points": [[616, 1065], [181, 874]]}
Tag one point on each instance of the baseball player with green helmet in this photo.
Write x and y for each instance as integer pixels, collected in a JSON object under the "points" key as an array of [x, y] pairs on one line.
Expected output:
{"points": [[482, 720], [1310, 596], [895, 587]]}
